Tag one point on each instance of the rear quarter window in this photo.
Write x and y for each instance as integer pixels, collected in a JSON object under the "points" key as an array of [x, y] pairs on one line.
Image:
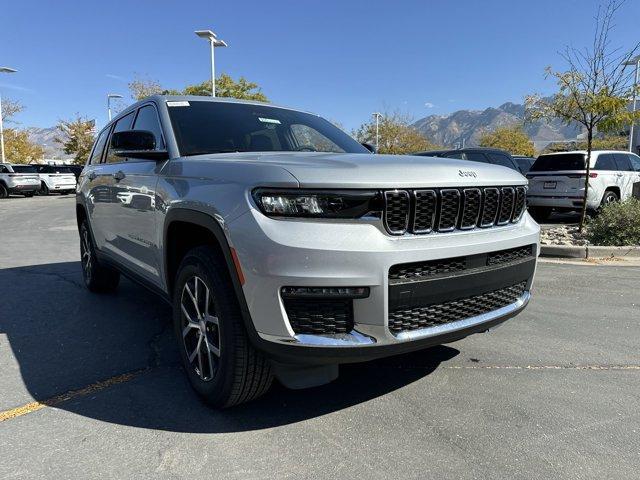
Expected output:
{"points": [[606, 161]]}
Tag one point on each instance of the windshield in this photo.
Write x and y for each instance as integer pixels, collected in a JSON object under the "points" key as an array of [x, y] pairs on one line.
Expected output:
{"points": [[24, 168], [563, 161], [204, 127]]}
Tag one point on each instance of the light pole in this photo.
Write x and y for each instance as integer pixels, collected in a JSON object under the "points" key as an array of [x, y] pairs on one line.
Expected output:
{"points": [[636, 62], [109, 97], [3, 70], [377, 115], [213, 42]]}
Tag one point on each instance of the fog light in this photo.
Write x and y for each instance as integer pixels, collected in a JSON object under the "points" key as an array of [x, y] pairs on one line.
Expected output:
{"points": [[325, 292]]}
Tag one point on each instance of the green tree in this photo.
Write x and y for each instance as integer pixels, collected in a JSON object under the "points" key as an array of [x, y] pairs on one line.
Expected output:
{"points": [[76, 137], [512, 139], [396, 135], [19, 149], [225, 87], [595, 89]]}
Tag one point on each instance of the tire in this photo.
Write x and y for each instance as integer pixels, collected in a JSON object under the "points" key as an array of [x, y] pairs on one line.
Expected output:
{"points": [[44, 190], [609, 197], [28, 194], [97, 278], [222, 365], [540, 214], [4, 193]]}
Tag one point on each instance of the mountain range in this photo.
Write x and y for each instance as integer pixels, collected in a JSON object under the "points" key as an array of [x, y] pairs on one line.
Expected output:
{"points": [[467, 126], [46, 138]]}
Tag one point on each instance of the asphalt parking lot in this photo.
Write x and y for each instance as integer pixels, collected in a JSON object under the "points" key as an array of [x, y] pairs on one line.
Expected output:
{"points": [[554, 393]]}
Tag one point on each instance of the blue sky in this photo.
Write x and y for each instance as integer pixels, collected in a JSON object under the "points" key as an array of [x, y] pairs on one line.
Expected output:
{"points": [[341, 59]]}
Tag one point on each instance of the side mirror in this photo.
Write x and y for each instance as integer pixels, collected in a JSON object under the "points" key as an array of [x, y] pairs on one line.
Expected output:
{"points": [[370, 147], [137, 144]]}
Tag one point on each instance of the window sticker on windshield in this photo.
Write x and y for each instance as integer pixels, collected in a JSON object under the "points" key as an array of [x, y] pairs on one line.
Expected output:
{"points": [[178, 104], [269, 120]]}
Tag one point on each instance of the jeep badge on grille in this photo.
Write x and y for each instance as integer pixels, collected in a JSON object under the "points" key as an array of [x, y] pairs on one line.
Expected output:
{"points": [[467, 173]]}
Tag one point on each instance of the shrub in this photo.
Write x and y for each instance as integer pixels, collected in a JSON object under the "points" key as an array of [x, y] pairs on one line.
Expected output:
{"points": [[618, 224]]}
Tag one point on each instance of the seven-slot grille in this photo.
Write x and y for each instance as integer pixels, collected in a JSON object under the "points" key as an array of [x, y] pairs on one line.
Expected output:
{"points": [[447, 209]]}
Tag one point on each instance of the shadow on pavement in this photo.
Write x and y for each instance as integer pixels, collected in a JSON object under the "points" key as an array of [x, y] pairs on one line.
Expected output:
{"points": [[64, 338]]}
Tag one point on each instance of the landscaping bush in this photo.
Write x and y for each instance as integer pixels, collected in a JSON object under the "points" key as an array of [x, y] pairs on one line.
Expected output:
{"points": [[618, 224]]}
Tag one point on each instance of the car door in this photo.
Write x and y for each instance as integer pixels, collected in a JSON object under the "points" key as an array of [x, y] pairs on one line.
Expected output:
{"points": [[626, 175], [94, 191], [133, 236], [635, 164]]}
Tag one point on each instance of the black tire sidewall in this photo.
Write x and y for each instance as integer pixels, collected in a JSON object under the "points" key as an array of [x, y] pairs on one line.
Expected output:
{"points": [[4, 193], [607, 195], [197, 262]]}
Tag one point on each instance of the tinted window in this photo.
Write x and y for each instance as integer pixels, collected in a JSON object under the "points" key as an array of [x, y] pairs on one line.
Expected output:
{"points": [[606, 161], [558, 162], [121, 125], [502, 160], [4, 169], [453, 155], [215, 127], [476, 157], [147, 119], [622, 162], [635, 162], [524, 164], [25, 169], [98, 147]]}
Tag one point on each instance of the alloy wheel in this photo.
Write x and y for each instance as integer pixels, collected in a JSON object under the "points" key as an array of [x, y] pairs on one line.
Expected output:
{"points": [[85, 250], [200, 328]]}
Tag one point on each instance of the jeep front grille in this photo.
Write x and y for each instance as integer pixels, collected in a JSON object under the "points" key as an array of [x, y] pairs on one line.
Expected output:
{"points": [[426, 316], [447, 209]]}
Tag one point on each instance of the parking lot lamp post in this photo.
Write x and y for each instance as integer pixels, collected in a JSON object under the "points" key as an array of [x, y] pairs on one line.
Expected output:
{"points": [[213, 42], [377, 115], [3, 70], [633, 62], [109, 97]]}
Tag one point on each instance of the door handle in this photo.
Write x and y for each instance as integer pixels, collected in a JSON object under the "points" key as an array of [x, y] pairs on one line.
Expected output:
{"points": [[92, 176], [119, 175]]}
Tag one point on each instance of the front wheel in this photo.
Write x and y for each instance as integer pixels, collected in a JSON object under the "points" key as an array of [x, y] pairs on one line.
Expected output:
{"points": [[97, 278], [540, 214], [222, 365], [4, 193]]}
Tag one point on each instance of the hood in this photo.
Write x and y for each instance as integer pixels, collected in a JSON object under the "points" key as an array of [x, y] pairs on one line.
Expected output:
{"points": [[353, 170]]}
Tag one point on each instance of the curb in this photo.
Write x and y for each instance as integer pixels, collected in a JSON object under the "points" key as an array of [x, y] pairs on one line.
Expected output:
{"points": [[563, 251], [567, 251]]}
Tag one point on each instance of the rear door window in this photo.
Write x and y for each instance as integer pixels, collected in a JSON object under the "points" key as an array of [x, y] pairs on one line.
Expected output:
{"points": [[622, 162], [98, 148], [606, 161], [454, 155], [559, 162], [476, 157]]}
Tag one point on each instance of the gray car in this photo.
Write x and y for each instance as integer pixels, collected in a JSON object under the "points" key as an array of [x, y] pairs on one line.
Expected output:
{"points": [[286, 248]]}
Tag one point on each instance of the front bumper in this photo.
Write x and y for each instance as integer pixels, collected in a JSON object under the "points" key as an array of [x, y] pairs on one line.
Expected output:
{"points": [[278, 253]]}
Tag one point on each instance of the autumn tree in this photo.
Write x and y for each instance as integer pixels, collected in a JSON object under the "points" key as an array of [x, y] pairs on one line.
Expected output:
{"points": [[18, 148], [76, 137], [594, 90], [396, 135], [512, 139], [225, 87]]}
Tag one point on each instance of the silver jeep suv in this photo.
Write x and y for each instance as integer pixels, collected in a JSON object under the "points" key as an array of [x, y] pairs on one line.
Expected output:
{"points": [[286, 248]]}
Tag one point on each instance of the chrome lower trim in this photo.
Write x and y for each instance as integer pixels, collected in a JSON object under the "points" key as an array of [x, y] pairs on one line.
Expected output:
{"points": [[366, 335]]}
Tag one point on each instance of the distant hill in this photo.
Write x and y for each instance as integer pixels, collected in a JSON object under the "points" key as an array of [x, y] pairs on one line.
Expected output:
{"points": [[449, 130], [46, 138]]}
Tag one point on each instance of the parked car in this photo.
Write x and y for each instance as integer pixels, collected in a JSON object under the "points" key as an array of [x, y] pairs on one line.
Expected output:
{"points": [[479, 154], [56, 178], [524, 163], [20, 179], [286, 248], [556, 180]]}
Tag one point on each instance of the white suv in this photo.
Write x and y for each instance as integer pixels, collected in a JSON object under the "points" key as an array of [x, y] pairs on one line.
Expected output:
{"points": [[20, 179], [56, 178], [556, 180]]}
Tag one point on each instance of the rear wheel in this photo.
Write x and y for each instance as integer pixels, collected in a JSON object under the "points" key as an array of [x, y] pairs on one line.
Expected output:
{"points": [[609, 197], [44, 190], [222, 365], [97, 277], [540, 214]]}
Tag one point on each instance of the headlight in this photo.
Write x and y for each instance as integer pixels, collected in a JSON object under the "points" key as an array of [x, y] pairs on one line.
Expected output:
{"points": [[316, 203]]}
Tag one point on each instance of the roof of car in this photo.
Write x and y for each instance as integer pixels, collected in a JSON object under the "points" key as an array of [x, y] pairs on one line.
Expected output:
{"points": [[584, 152], [467, 149]]}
